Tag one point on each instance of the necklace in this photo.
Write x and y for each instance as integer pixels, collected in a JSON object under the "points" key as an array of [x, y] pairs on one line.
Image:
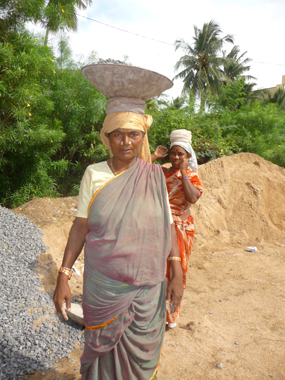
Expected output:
{"points": [[112, 167]]}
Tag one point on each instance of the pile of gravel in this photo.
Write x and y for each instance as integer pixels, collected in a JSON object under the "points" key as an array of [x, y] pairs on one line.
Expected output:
{"points": [[111, 61], [24, 347]]}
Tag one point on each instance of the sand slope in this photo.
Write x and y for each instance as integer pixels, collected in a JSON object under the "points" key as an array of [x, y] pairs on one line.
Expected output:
{"points": [[243, 202]]}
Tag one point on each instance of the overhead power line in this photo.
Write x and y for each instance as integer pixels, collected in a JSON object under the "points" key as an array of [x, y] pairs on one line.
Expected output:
{"points": [[126, 31], [154, 39], [268, 63]]}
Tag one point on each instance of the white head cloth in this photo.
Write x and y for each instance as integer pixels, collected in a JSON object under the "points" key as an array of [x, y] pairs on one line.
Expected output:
{"points": [[183, 138]]}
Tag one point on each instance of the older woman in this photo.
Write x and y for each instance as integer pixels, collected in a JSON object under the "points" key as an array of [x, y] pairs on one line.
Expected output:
{"points": [[184, 188], [124, 220]]}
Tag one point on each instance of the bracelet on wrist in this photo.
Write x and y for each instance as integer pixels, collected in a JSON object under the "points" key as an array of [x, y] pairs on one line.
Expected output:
{"points": [[174, 258], [66, 271], [186, 177]]}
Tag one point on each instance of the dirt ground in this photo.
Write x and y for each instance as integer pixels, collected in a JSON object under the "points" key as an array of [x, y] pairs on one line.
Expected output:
{"points": [[234, 304]]}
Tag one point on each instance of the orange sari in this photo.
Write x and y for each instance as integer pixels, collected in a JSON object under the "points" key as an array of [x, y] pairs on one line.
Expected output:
{"points": [[183, 221]]}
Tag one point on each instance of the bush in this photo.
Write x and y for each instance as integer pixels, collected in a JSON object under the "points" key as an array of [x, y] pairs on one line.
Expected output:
{"points": [[28, 136], [50, 121]]}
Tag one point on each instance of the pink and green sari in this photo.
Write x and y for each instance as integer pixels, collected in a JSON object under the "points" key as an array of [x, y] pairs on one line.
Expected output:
{"points": [[124, 277]]}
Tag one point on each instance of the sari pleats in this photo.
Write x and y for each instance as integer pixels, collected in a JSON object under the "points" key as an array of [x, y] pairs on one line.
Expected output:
{"points": [[124, 277], [185, 236], [136, 337]]}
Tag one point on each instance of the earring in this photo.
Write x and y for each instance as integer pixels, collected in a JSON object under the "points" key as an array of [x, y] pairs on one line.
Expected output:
{"points": [[122, 143]]}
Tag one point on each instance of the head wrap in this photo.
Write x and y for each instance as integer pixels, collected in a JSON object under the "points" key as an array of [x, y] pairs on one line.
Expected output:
{"points": [[183, 138], [127, 120]]}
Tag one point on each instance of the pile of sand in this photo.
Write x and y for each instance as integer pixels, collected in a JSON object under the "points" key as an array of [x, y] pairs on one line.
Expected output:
{"points": [[243, 203]]}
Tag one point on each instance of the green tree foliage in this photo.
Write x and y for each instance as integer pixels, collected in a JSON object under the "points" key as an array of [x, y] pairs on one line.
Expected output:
{"points": [[28, 135], [53, 15], [13, 13], [233, 95], [207, 134], [257, 128], [277, 98], [61, 15], [41, 109], [50, 118], [80, 110], [232, 125]]}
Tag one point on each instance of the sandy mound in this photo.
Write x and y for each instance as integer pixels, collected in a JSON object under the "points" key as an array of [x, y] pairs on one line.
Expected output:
{"points": [[233, 308], [243, 202]]}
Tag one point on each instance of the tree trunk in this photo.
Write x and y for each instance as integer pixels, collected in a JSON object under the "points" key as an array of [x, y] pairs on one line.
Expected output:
{"points": [[202, 101], [46, 36]]}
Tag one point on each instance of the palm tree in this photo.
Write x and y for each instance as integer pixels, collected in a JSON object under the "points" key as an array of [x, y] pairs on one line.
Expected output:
{"points": [[236, 65], [179, 102], [202, 63], [162, 101], [62, 15]]}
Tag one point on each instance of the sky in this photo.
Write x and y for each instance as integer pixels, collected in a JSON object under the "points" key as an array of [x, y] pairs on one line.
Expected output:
{"points": [[257, 26]]}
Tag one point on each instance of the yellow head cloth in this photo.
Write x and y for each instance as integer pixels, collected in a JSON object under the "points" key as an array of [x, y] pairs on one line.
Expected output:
{"points": [[128, 120]]}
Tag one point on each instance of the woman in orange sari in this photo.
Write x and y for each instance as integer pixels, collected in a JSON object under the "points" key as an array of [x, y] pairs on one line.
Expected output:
{"points": [[184, 188]]}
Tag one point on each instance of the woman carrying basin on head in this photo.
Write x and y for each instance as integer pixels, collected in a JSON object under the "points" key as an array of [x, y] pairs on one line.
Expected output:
{"points": [[124, 219]]}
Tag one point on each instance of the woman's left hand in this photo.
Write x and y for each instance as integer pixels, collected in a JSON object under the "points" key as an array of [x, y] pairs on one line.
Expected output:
{"points": [[175, 288], [159, 153]]}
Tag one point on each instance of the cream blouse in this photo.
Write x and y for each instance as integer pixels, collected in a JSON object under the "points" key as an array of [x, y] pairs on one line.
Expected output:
{"points": [[95, 176]]}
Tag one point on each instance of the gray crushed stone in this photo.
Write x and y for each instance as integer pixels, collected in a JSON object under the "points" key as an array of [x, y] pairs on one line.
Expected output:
{"points": [[25, 348], [111, 61]]}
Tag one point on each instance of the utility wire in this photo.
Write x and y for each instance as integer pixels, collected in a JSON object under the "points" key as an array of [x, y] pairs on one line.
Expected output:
{"points": [[268, 63], [126, 31], [154, 39]]}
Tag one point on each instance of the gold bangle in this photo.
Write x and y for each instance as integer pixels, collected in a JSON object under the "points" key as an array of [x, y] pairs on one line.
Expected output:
{"points": [[66, 271], [174, 258]]}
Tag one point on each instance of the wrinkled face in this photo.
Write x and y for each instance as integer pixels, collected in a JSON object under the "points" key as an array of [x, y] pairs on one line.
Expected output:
{"points": [[125, 143], [176, 155]]}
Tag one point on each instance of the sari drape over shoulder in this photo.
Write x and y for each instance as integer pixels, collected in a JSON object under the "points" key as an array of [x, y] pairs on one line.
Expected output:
{"points": [[183, 222], [125, 264]]}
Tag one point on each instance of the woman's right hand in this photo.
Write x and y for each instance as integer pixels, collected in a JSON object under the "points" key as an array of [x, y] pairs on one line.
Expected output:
{"points": [[74, 245], [62, 293], [175, 287], [184, 166]]}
